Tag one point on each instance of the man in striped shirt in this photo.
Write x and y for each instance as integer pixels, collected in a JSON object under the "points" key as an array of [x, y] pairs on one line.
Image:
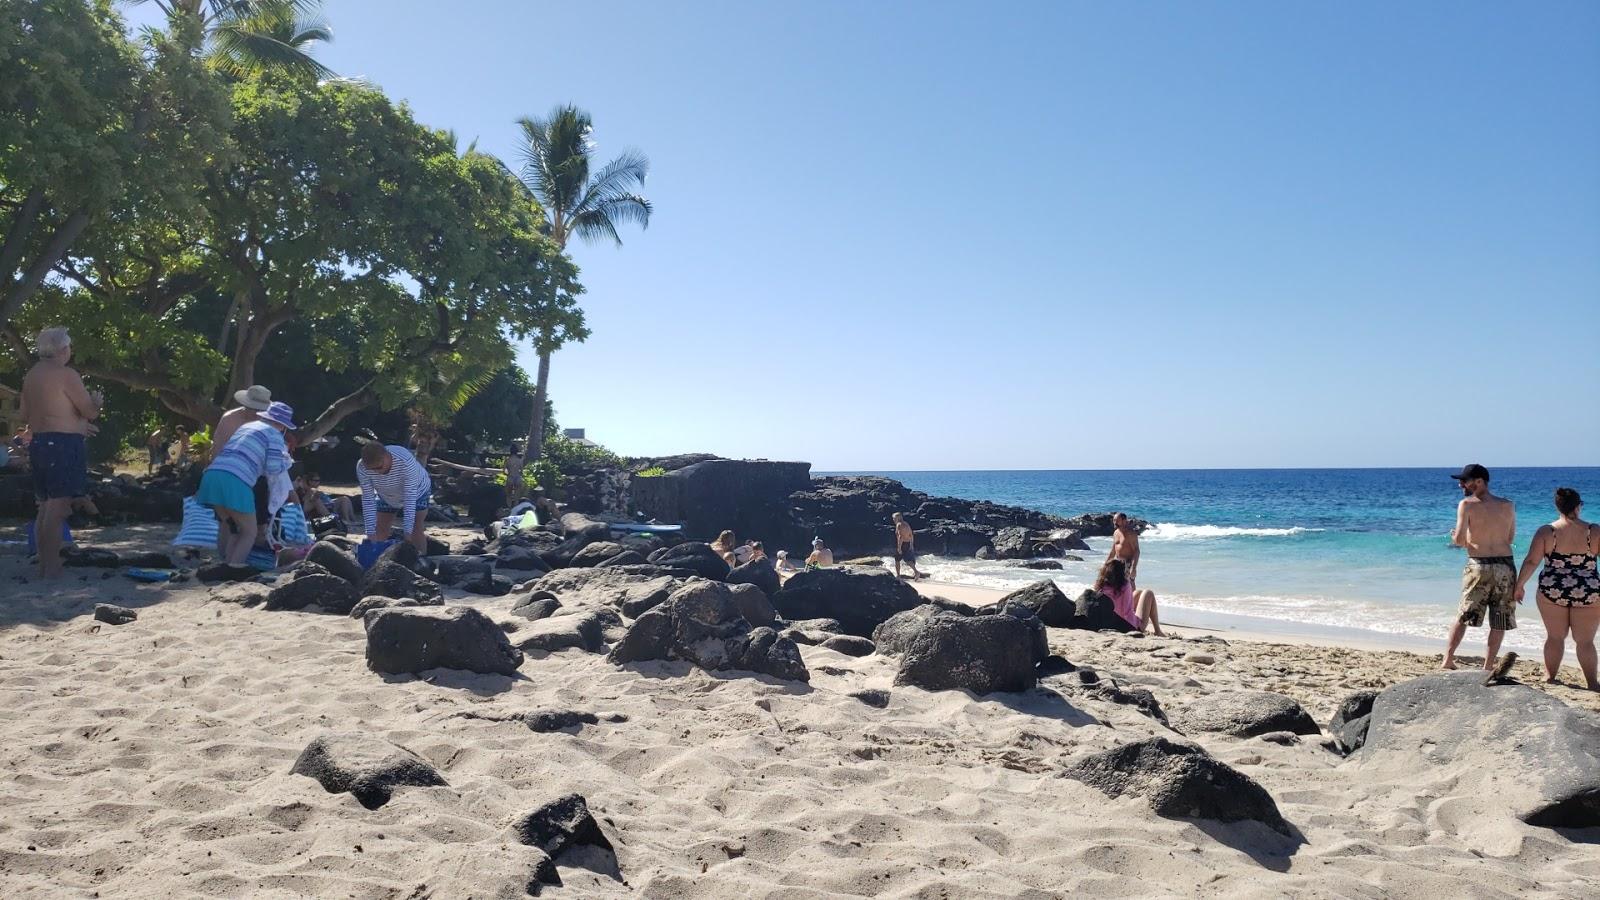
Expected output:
{"points": [[392, 481]]}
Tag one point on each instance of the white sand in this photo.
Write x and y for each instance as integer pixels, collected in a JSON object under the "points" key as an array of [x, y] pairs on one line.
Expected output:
{"points": [[152, 760]]}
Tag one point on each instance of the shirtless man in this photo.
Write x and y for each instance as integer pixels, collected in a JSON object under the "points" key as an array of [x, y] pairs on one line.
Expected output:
{"points": [[59, 411], [1125, 546], [905, 547], [252, 401], [1485, 526]]}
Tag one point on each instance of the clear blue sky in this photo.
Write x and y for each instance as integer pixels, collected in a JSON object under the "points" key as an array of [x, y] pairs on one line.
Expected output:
{"points": [[1061, 235]]}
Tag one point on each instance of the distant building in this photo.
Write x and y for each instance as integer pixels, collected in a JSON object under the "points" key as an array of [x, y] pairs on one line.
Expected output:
{"points": [[575, 435]]}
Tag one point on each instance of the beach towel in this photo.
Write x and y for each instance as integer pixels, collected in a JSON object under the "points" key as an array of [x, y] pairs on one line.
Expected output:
{"points": [[199, 528]]}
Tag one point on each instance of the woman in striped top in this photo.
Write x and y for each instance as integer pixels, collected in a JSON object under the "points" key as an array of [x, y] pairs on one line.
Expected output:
{"points": [[254, 451], [392, 481]]}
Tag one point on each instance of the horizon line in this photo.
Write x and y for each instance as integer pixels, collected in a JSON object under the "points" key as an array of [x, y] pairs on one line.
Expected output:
{"points": [[873, 471]]}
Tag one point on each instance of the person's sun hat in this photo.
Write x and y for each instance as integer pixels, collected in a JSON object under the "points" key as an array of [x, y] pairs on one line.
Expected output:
{"points": [[254, 397], [816, 542], [281, 413]]}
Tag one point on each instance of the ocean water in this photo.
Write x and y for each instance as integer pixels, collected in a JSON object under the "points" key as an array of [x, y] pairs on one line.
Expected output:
{"points": [[1315, 549]]}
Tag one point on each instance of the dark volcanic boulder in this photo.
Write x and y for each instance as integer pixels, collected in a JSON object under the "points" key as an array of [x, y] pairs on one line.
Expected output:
{"points": [[893, 636], [701, 623], [860, 600], [1180, 782], [595, 554], [849, 645], [753, 604], [388, 578], [403, 553], [111, 614], [630, 592], [368, 604], [1098, 525], [1047, 602], [625, 558], [1018, 543], [446, 637], [1048, 565], [1510, 748], [981, 654], [336, 560], [694, 556], [758, 572], [583, 631], [217, 573], [516, 558], [1349, 723], [366, 767], [1245, 714], [537, 605], [330, 592], [453, 569], [555, 828], [1094, 611]]}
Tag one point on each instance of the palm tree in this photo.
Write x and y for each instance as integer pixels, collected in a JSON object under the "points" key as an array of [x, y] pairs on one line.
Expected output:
{"points": [[556, 154], [245, 36]]}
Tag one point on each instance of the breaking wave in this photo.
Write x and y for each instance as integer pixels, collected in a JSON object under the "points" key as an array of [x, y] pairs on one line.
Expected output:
{"points": [[1172, 531]]}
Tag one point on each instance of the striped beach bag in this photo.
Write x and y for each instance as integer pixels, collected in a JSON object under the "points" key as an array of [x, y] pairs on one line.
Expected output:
{"points": [[199, 528]]}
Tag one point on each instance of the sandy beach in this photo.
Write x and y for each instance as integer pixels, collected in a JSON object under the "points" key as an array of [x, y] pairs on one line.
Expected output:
{"points": [[153, 759]]}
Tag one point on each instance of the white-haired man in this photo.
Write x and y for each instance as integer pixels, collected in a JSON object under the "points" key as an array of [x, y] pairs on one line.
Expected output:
{"points": [[59, 411]]}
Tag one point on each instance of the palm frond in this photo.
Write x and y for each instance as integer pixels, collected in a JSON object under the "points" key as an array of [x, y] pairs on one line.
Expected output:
{"points": [[239, 49], [595, 225]]}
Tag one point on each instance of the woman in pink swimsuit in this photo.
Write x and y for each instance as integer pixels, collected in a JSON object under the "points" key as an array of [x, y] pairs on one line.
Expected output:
{"points": [[1136, 607]]}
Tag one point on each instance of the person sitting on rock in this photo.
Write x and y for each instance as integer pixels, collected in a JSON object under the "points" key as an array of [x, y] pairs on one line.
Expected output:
{"points": [[743, 552], [724, 545], [784, 566], [1137, 608], [821, 557], [758, 553], [392, 481]]}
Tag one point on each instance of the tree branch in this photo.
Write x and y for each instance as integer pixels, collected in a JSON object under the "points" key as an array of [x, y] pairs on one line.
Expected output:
{"points": [[337, 411], [21, 226], [18, 293]]}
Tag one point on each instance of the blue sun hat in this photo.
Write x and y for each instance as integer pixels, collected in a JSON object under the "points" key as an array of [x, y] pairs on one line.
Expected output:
{"points": [[281, 413]]}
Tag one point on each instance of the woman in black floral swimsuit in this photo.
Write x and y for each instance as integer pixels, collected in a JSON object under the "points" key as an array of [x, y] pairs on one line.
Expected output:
{"points": [[1569, 586]]}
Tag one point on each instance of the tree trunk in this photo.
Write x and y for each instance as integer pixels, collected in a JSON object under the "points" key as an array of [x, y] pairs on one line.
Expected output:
{"points": [[18, 293], [336, 412], [541, 390]]}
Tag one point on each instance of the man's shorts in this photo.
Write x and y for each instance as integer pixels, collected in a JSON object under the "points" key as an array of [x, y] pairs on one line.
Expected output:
{"points": [[158, 456], [423, 502], [1486, 587], [60, 465], [906, 553]]}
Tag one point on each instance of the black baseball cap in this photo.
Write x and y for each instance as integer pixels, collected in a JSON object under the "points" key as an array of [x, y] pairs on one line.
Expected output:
{"points": [[1470, 472]]}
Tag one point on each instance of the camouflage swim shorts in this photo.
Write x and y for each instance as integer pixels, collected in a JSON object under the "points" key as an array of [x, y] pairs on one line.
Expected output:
{"points": [[1486, 586]]}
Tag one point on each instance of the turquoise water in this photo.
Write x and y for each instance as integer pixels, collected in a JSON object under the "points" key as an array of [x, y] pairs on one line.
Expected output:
{"points": [[1347, 548]]}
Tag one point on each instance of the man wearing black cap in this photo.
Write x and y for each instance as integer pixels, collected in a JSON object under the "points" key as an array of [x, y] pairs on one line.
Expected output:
{"points": [[1485, 526]]}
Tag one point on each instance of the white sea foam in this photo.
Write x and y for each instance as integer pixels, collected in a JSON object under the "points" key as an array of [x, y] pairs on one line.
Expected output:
{"points": [[1173, 531]]}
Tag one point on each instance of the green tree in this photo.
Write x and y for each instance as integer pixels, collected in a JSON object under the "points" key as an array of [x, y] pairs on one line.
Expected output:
{"points": [[92, 128], [250, 36], [556, 155], [411, 265]]}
